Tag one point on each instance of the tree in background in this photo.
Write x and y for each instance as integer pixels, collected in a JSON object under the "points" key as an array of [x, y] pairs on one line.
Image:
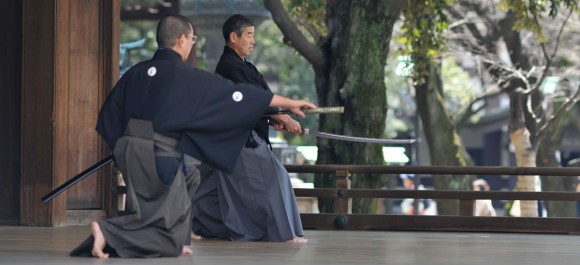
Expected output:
{"points": [[423, 33], [348, 53], [531, 46]]}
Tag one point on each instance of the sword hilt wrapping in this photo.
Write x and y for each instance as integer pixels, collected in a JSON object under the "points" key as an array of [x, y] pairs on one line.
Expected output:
{"points": [[323, 110]]}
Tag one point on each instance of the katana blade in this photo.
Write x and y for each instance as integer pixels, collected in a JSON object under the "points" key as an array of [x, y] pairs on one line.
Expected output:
{"points": [[306, 131], [323, 110]]}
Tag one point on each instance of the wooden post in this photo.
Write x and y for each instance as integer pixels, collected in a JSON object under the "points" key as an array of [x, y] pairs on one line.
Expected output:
{"points": [[466, 207], [343, 204]]}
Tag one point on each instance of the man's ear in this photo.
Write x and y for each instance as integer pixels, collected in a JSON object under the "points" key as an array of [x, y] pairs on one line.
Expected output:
{"points": [[233, 37], [181, 39]]}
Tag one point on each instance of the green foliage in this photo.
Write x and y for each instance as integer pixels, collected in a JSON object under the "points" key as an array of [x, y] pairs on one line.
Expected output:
{"points": [[400, 102], [288, 73], [312, 11], [458, 90], [137, 30], [530, 12], [422, 33]]}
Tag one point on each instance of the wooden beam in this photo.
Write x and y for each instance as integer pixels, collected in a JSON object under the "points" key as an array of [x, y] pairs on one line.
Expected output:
{"points": [[444, 223]]}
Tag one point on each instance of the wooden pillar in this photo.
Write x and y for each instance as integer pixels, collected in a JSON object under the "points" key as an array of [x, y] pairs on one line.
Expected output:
{"points": [[68, 65]]}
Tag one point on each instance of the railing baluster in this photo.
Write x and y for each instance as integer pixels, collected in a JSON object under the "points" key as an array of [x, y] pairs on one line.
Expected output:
{"points": [[342, 204], [466, 207]]}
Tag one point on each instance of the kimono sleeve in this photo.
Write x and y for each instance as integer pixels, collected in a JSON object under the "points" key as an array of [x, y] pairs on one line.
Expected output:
{"points": [[223, 121]]}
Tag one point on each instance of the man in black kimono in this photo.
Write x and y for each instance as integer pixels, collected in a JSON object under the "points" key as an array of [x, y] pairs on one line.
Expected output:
{"points": [[161, 119], [256, 201]]}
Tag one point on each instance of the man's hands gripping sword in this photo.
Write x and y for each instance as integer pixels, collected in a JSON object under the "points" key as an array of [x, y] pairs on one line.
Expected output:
{"points": [[285, 123], [295, 106]]}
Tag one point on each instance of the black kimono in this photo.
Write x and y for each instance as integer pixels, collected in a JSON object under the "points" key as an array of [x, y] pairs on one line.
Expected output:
{"points": [[160, 118], [256, 201]]}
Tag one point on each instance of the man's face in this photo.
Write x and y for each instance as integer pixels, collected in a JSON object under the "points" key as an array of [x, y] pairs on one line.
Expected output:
{"points": [[244, 45]]}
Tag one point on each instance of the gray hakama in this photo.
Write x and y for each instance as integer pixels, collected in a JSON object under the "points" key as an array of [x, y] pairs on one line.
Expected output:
{"points": [[256, 202], [157, 223]]}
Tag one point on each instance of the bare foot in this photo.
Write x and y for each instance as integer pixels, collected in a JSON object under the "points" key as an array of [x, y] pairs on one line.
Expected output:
{"points": [[99, 243], [186, 251], [195, 237], [298, 240]]}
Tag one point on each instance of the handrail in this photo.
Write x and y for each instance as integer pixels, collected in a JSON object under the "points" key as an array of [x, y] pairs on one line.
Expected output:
{"points": [[439, 194], [436, 170]]}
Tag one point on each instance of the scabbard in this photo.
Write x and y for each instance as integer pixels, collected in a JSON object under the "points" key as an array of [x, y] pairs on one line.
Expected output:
{"points": [[46, 198]]}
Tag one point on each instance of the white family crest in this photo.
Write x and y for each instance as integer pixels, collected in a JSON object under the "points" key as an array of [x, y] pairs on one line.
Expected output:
{"points": [[237, 96], [152, 71]]}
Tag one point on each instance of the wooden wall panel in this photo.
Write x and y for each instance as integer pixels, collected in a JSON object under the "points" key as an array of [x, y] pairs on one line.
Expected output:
{"points": [[77, 62], [37, 111], [85, 81], [10, 74]]}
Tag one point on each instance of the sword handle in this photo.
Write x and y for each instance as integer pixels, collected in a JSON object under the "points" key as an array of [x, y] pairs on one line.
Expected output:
{"points": [[323, 110]]}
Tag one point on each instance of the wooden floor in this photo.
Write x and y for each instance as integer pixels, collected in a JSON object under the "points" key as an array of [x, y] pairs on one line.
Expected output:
{"points": [[46, 246]]}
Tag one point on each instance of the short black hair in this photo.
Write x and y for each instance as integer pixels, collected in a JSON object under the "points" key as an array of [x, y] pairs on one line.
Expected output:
{"points": [[236, 23], [170, 28]]}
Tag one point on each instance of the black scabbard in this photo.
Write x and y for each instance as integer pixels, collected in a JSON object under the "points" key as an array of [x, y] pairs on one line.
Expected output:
{"points": [[46, 198]]}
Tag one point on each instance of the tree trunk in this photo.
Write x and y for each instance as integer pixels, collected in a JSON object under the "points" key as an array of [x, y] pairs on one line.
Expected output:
{"points": [[547, 158], [525, 154], [349, 68], [357, 49], [445, 146]]}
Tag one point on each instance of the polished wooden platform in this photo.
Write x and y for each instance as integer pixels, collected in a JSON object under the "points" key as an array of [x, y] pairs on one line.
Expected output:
{"points": [[47, 246]]}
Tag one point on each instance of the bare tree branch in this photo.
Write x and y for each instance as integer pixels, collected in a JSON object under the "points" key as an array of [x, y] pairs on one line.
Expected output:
{"points": [[468, 111], [508, 73], [568, 104], [319, 38], [550, 59], [311, 52]]}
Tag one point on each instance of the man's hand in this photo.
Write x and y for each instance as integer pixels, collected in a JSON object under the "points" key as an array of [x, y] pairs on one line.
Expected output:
{"points": [[300, 105], [296, 106], [287, 124]]}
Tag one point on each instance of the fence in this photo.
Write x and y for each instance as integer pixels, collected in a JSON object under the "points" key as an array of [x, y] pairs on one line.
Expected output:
{"points": [[465, 221]]}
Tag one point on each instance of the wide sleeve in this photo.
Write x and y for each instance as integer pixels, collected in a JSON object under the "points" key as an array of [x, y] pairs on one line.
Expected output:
{"points": [[224, 117]]}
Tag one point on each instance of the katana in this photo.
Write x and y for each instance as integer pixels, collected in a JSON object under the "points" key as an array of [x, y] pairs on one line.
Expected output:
{"points": [[323, 110], [306, 131]]}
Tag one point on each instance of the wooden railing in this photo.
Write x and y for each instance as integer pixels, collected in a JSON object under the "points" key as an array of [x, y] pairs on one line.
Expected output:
{"points": [[465, 221]]}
